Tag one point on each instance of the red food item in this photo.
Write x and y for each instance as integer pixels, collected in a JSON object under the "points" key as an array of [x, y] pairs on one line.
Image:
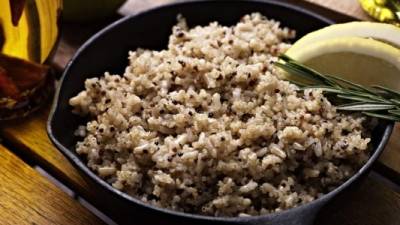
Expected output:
{"points": [[25, 75], [7, 86], [24, 87]]}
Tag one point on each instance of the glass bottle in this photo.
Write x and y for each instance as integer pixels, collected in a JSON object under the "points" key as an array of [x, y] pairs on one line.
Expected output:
{"points": [[29, 30], [387, 11]]}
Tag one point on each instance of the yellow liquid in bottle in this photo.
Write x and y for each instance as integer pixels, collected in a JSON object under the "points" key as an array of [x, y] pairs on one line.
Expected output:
{"points": [[35, 35], [382, 10]]}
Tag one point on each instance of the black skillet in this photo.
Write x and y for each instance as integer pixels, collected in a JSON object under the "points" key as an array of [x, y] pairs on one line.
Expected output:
{"points": [[108, 51]]}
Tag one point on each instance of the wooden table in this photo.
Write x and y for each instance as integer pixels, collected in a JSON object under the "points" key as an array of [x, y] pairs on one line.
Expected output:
{"points": [[26, 197]]}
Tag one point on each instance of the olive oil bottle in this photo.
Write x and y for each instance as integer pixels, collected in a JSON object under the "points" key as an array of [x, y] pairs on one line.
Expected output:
{"points": [[29, 28], [387, 11], [28, 34]]}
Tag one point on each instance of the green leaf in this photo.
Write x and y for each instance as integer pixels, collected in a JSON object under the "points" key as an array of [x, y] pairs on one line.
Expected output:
{"points": [[294, 71], [353, 85], [368, 95], [395, 111], [356, 98], [387, 90], [305, 71], [313, 73], [382, 116], [324, 89], [378, 101], [298, 83], [286, 58], [395, 101], [360, 106]]}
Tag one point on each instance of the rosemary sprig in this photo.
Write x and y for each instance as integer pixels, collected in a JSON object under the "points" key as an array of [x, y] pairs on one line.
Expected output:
{"points": [[375, 101]]}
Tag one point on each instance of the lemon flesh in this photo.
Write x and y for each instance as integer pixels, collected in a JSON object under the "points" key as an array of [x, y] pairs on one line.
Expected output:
{"points": [[375, 71], [361, 60], [379, 31]]}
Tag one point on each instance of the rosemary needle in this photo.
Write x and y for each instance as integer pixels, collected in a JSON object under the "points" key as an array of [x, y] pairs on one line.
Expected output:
{"points": [[375, 101]]}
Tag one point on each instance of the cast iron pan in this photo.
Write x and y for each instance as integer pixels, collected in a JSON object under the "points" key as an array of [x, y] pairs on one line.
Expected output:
{"points": [[108, 51]]}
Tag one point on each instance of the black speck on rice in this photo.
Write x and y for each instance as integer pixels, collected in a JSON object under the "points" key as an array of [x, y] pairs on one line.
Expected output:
{"points": [[206, 127]]}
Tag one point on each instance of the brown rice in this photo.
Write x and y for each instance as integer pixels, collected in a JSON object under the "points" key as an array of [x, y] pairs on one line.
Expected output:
{"points": [[206, 127]]}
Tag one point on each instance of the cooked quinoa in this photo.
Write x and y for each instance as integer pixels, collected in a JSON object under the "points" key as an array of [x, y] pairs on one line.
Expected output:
{"points": [[207, 127]]}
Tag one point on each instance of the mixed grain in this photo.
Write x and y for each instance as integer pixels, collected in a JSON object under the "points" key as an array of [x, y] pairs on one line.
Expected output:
{"points": [[207, 127]]}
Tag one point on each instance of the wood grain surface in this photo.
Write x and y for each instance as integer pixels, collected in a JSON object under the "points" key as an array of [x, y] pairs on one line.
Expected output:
{"points": [[29, 139], [28, 198], [28, 136], [348, 7]]}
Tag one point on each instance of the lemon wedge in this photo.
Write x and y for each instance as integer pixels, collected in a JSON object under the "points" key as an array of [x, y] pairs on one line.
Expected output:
{"points": [[362, 60], [379, 31]]}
